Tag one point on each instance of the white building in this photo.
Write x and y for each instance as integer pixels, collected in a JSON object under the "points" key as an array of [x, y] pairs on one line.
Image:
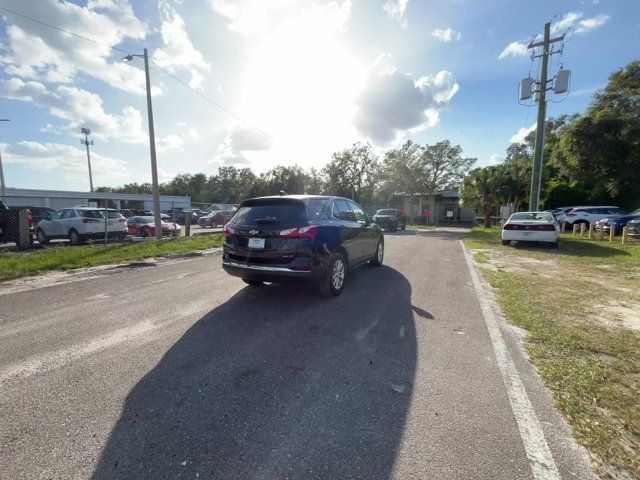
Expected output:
{"points": [[57, 199]]}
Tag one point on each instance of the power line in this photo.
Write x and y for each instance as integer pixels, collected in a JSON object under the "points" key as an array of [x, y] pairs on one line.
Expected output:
{"points": [[61, 29], [202, 95], [228, 112]]}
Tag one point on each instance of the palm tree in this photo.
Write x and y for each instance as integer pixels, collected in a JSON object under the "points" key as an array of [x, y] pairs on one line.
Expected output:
{"points": [[479, 190]]}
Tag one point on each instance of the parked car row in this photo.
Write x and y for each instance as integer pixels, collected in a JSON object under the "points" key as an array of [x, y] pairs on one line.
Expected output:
{"points": [[80, 224], [602, 217]]}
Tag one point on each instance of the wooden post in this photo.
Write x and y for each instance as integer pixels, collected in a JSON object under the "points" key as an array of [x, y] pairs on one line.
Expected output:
{"points": [[575, 229], [612, 233], [563, 228], [625, 235], [592, 230], [583, 227], [602, 234]]}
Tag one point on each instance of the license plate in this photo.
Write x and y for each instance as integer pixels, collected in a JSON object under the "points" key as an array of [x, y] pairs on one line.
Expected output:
{"points": [[526, 234], [256, 243]]}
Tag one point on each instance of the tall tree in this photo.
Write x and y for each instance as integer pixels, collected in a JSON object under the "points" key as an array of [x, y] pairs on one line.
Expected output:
{"points": [[352, 172], [444, 166], [403, 173]]}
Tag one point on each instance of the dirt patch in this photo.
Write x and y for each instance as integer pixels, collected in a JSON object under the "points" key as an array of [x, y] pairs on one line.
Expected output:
{"points": [[627, 312]]}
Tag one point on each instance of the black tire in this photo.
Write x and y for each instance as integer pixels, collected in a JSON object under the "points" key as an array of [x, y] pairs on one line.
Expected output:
{"points": [[42, 238], [74, 237], [253, 283], [333, 284], [144, 232], [404, 227], [378, 257], [506, 243]]}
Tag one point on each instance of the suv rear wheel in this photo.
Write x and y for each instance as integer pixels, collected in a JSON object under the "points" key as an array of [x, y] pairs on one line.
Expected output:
{"points": [[334, 283]]}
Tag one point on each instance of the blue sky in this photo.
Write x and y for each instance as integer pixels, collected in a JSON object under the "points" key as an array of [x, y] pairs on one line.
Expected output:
{"points": [[302, 78]]}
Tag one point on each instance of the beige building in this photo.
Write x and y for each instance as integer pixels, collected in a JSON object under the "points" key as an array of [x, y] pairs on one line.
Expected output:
{"points": [[441, 208]]}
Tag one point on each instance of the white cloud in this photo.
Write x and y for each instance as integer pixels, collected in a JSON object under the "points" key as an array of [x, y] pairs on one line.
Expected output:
{"points": [[250, 16], [67, 161], [397, 10], [592, 23], [177, 49], [170, 142], [193, 133], [520, 135], [80, 107], [239, 140], [514, 49], [34, 52], [446, 35], [496, 159], [392, 101]]}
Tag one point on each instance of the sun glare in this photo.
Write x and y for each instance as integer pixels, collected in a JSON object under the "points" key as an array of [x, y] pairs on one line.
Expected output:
{"points": [[300, 88]]}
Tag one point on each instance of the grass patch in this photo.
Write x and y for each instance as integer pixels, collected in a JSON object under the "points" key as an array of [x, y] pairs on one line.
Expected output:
{"points": [[18, 264], [586, 357]]}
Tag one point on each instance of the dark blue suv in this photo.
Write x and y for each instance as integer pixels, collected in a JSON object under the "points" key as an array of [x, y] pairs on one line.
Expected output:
{"points": [[294, 238]]}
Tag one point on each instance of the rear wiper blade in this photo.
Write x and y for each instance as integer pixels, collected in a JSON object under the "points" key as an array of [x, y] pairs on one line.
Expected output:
{"points": [[261, 221]]}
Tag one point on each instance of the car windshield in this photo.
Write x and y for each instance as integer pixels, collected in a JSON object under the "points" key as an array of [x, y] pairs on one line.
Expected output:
{"points": [[91, 213], [386, 212], [113, 214], [538, 216]]}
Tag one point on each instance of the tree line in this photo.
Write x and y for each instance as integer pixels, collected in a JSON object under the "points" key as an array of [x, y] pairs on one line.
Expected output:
{"points": [[356, 172], [589, 159]]}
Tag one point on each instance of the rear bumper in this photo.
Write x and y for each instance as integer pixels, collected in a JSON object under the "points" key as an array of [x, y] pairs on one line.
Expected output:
{"points": [[273, 273], [530, 236]]}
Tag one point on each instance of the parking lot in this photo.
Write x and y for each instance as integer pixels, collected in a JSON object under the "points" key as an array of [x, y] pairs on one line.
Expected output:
{"points": [[176, 370]]}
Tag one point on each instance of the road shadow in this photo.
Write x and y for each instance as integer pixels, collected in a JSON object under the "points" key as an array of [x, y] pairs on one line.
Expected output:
{"points": [[278, 382]]}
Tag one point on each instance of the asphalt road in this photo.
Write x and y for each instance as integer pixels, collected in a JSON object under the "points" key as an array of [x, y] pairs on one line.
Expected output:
{"points": [[179, 371]]}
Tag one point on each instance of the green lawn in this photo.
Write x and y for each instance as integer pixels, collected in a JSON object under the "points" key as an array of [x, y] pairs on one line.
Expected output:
{"points": [[581, 307], [64, 257]]}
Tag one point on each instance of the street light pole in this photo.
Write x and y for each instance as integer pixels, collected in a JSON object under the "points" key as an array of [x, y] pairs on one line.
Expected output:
{"points": [[152, 146], [88, 142], [3, 188]]}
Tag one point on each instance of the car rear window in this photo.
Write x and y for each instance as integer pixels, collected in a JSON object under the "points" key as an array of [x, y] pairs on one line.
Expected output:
{"points": [[113, 214], [91, 213], [386, 212], [272, 211], [532, 216]]}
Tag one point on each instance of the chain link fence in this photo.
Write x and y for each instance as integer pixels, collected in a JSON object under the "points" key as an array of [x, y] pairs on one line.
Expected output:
{"points": [[38, 221]]}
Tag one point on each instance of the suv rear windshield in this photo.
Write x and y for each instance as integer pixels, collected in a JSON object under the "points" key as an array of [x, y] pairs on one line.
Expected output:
{"points": [[90, 213], [282, 211], [532, 216]]}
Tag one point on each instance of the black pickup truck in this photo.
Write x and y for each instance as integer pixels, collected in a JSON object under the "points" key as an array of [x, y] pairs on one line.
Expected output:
{"points": [[9, 223]]}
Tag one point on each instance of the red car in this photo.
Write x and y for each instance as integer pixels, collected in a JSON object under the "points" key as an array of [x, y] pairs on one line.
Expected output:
{"points": [[145, 227], [219, 217]]}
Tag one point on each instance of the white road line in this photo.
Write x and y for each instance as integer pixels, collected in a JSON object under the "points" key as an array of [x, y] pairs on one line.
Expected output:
{"points": [[542, 464]]}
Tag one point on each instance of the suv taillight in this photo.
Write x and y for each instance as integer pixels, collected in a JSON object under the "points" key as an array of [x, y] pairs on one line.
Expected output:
{"points": [[570, 215], [228, 230], [91, 220], [302, 232]]}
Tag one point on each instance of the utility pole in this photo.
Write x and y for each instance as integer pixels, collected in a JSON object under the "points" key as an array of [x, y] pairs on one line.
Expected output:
{"points": [[87, 142], [3, 187], [152, 146], [536, 176]]}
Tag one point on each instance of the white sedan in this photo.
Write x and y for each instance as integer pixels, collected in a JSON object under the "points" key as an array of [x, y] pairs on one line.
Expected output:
{"points": [[531, 227]]}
